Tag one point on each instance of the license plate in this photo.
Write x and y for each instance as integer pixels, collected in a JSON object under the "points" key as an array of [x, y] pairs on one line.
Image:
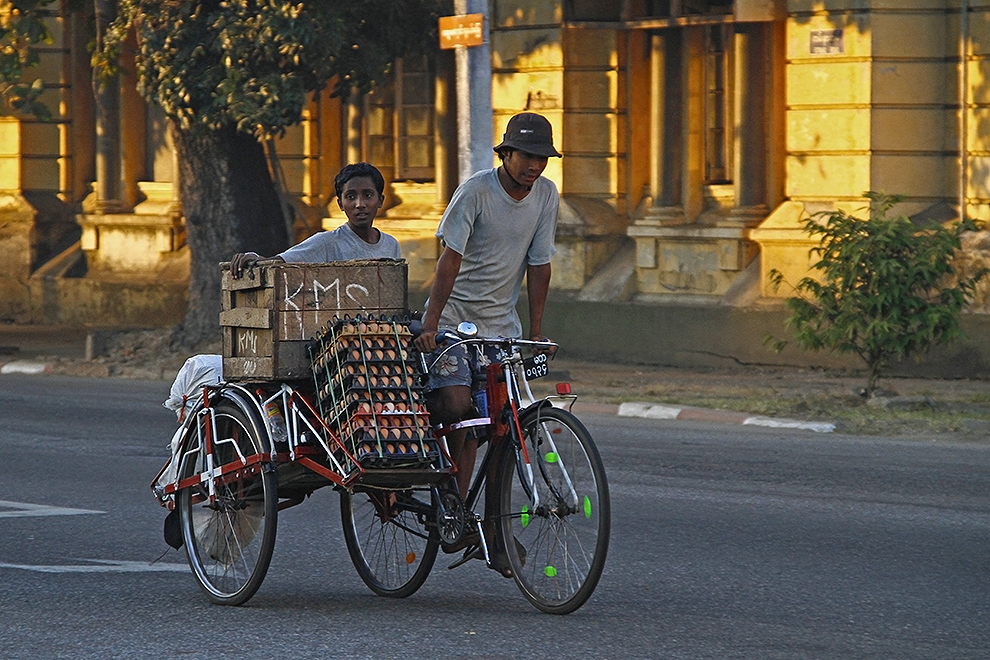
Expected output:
{"points": [[536, 367]]}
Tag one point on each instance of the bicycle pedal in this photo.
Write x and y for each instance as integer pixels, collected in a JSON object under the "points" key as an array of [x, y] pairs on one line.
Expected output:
{"points": [[475, 552]]}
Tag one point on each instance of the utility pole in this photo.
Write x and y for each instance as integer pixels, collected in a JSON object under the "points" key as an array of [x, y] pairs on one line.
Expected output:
{"points": [[467, 34]]}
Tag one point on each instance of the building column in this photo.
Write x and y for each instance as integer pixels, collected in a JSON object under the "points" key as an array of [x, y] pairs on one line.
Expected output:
{"points": [[750, 130], [665, 128], [107, 94]]}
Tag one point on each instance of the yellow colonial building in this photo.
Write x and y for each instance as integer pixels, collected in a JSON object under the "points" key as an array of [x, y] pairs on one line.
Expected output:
{"points": [[696, 135]]}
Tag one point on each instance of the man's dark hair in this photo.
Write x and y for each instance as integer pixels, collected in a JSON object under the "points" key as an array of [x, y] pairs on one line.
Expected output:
{"points": [[359, 169], [504, 152]]}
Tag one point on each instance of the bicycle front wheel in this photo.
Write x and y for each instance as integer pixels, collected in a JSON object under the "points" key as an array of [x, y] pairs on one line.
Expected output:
{"points": [[555, 513], [229, 538], [389, 540]]}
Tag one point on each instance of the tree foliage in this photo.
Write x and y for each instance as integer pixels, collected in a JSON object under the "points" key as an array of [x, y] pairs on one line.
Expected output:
{"points": [[231, 73], [888, 289], [252, 64], [22, 28]]}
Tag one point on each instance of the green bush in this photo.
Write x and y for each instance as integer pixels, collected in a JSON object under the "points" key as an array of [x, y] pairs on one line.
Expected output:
{"points": [[888, 288]]}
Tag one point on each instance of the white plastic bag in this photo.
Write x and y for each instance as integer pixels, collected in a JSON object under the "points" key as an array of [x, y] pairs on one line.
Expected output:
{"points": [[199, 370], [171, 471]]}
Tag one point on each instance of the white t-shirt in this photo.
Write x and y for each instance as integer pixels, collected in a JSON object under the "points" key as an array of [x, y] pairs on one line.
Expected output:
{"points": [[341, 244], [497, 237]]}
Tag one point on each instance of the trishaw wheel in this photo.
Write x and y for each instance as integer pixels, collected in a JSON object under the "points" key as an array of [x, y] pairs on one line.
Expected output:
{"points": [[229, 540], [556, 541], [390, 543]]}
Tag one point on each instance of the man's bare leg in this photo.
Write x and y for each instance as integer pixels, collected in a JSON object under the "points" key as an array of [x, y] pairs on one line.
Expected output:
{"points": [[449, 405]]}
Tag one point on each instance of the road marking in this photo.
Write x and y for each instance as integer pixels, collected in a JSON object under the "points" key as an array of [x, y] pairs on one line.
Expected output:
{"points": [[104, 566], [25, 510]]}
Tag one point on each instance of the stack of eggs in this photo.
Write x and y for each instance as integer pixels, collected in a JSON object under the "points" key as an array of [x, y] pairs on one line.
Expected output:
{"points": [[369, 391]]}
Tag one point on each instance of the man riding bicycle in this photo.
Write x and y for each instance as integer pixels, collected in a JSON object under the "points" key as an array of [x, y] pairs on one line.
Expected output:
{"points": [[498, 227]]}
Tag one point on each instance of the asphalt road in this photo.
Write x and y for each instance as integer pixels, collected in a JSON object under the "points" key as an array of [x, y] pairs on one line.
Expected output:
{"points": [[727, 542]]}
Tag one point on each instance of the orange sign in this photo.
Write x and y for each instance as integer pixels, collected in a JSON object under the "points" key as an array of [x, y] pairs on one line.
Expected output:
{"points": [[463, 30]]}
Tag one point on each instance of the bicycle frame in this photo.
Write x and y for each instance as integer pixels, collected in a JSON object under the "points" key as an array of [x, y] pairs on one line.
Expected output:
{"points": [[308, 438], [510, 401]]}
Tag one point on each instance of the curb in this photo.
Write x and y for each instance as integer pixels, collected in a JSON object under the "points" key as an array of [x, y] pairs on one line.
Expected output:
{"points": [[661, 411], [639, 409], [25, 367]]}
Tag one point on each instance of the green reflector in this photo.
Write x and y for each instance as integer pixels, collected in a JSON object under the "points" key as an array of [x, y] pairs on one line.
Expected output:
{"points": [[525, 516], [550, 571], [587, 506], [551, 457]]}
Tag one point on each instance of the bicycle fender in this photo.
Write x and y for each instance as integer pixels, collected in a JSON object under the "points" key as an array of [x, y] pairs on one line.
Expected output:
{"points": [[243, 398], [533, 407]]}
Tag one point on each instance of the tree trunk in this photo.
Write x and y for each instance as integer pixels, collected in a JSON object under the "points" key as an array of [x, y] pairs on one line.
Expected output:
{"points": [[230, 205]]}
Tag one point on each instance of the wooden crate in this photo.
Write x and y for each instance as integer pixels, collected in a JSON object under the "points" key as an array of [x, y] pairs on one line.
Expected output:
{"points": [[268, 320]]}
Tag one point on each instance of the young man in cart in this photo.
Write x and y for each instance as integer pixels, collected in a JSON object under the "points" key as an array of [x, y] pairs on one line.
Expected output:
{"points": [[499, 227], [360, 190]]}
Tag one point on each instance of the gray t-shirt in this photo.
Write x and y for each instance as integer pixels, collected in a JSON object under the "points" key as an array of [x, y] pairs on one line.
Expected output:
{"points": [[341, 244], [497, 237]]}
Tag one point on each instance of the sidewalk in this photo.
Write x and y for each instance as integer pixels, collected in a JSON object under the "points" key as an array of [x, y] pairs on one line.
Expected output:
{"points": [[782, 397]]}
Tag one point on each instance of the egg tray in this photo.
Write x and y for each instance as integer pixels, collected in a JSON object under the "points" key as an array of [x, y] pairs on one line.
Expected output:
{"points": [[370, 392]]}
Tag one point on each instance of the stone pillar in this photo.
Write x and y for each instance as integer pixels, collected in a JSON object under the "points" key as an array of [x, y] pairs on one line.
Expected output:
{"points": [[107, 93], [750, 143], [693, 122], [665, 130], [749, 175]]}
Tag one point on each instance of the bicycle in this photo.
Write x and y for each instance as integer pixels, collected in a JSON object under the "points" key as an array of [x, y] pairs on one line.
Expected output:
{"points": [[234, 469]]}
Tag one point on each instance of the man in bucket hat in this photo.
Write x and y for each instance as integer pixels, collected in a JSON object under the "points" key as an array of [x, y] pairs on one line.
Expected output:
{"points": [[498, 227]]}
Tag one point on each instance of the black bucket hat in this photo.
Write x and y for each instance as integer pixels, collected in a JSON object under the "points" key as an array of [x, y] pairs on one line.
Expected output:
{"points": [[531, 133]]}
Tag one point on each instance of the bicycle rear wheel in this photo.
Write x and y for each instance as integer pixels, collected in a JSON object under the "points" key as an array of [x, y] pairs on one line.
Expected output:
{"points": [[388, 537], [561, 519], [229, 541]]}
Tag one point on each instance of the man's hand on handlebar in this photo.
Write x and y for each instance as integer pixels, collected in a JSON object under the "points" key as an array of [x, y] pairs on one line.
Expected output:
{"points": [[426, 342], [540, 350]]}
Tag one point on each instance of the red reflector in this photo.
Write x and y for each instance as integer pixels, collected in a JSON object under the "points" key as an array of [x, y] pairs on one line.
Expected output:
{"points": [[563, 388]]}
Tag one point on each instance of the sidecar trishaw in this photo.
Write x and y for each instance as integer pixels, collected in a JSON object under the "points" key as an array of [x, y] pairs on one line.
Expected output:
{"points": [[320, 386]]}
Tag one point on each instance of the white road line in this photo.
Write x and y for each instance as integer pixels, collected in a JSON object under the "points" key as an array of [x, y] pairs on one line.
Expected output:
{"points": [[104, 566], [25, 510]]}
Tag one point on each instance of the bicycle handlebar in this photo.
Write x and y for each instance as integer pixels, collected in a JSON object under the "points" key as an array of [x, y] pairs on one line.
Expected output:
{"points": [[468, 335], [444, 336]]}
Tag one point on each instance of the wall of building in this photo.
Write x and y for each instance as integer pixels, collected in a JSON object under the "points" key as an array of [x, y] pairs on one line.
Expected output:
{"points": [[830, 99]]}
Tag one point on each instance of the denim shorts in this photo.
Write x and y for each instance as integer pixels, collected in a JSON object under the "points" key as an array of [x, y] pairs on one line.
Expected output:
{"points": [[459, 365]]}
